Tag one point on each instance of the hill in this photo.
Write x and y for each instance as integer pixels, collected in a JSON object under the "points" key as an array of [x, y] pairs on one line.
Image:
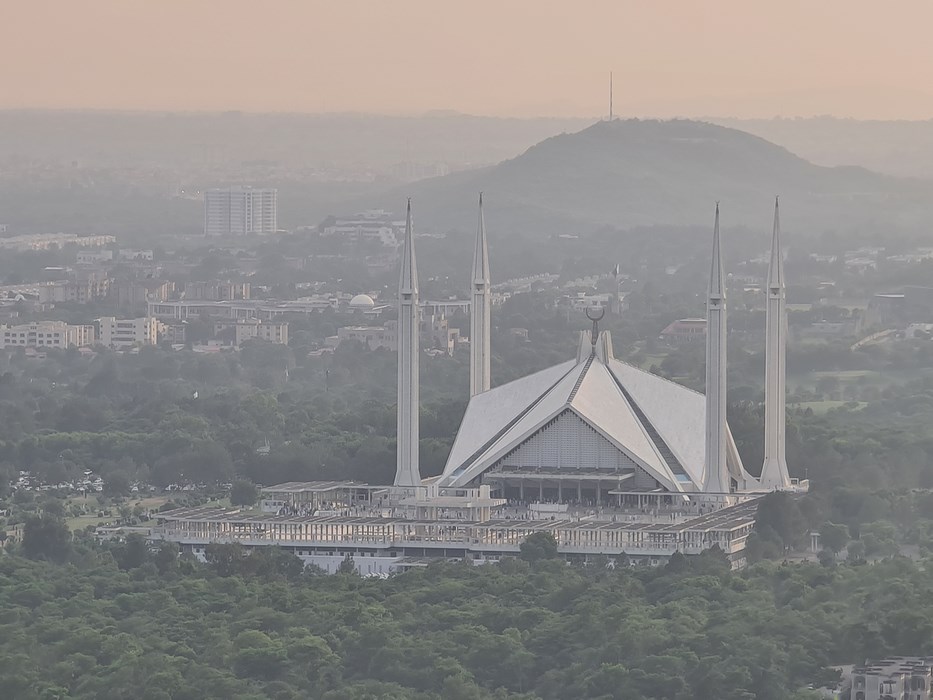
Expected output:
{"points": [[901, 148], [630, 173]]}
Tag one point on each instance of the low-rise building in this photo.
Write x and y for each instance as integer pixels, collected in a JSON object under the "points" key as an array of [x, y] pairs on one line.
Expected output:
{"points": [[902, 677], [92, 257], [435, 331], [52, 241], [79, 291], [251, 328], [139, 293], [217, 291], [123, 333], [48, 334], [685, 330], [132, 254], [372, 337], [370, 225]]}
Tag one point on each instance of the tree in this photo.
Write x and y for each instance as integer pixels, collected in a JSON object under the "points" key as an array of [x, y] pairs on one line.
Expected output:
{"points": [[538, 546], [46, 537], [856, 550], [834, 537], [117, 484], [225, 559], [134, 552], [166, 557], [779, 515], [243, 493], [347, 566]]}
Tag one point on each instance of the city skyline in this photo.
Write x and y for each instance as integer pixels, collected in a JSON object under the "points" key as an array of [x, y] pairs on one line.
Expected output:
{"points": [[852, 59]]}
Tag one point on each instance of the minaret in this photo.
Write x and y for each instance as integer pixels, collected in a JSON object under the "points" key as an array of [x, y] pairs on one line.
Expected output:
{"points": [[407, 472], [774, 470], [479, 312], [716, 473]]}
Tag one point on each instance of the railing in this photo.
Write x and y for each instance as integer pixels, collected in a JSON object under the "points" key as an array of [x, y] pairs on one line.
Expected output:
{"points": [[508, 542]]}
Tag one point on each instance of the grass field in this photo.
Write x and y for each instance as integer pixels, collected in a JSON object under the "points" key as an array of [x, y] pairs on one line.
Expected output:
{"points": [[91, 518]]}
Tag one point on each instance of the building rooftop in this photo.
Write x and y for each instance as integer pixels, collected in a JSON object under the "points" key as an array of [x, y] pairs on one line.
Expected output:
{"points": [[312, 486]]}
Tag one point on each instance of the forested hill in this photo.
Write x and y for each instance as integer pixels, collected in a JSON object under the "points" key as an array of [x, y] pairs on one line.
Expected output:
{"points": [[630, 173]]}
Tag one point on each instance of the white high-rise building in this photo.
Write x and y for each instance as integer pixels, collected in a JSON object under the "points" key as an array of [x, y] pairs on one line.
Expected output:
{"points": [[236, 211], [126, 333]]}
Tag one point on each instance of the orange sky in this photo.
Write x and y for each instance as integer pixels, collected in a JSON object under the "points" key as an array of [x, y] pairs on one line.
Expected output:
{"points": [[860, 58]]}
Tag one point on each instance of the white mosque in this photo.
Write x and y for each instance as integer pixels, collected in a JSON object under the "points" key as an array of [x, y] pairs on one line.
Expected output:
{"points": [[595, 429], [611, 460]]}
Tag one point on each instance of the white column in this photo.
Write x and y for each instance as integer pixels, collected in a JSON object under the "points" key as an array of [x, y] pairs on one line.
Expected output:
{"points": [[480, 312], [716, 473], [774, 470], [407, 472]]}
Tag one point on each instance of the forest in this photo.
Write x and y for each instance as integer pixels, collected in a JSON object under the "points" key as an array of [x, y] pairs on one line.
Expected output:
{"points": [[123, 621]]}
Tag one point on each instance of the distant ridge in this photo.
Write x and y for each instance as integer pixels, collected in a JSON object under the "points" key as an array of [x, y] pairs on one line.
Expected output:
{"points": [[627, 173]]}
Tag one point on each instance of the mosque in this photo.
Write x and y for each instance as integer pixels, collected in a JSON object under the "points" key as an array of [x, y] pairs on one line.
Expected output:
{"points": [[596, 430], [609, 459]]}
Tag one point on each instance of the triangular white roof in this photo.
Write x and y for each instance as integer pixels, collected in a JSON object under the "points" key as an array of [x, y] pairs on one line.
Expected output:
{"points": [[658, 424]]}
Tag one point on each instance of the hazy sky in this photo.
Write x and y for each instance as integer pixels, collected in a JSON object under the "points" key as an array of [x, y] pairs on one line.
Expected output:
{"points": [[860, 58]]}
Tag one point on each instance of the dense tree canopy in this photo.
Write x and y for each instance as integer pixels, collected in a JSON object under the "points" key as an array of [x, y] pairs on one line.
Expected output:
{"points": [[135, 623]]}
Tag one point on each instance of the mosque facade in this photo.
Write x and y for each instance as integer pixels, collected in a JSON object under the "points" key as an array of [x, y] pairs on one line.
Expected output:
{"points": [[611, 460]]}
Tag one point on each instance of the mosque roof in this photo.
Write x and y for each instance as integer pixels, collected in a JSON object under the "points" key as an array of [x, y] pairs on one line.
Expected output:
{"points": [[658, 424]]}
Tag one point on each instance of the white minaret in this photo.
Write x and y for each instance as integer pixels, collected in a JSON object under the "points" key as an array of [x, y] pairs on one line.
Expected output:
{"points": [[716, 473], [479, 312], [774, 470], [407, 472]]}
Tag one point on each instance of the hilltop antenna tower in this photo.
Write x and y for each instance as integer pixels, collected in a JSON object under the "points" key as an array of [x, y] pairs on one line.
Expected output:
{"points": [[610, 95]]}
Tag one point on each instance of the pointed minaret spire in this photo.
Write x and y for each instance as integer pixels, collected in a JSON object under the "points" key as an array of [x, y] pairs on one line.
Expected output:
{"points": [[716, 474], [776, 268], [407, 472], [774, 473], [480, 312]]}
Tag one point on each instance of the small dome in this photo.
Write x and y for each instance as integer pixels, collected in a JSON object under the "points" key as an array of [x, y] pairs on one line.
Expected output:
{"points": [[362, 301]]}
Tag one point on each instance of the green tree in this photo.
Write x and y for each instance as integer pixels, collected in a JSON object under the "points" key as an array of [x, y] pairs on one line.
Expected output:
{"points": [[538, 546], [133, 553], [834, 536], [779, 516], [243, 493], [46, 536]]}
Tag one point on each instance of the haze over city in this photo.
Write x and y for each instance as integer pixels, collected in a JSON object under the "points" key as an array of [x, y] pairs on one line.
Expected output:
{"points": [[852, 58], [390, 350]]}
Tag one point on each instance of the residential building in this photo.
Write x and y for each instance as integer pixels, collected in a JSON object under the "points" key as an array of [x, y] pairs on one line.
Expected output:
{"points": [[138, 293], [123, 333], [434, 331], [79, 291], [48, 334], [370, 225], [271, 331], [50, 241], [437, 333], [173, 332], [91, 257], [372, 337], [251, 328], [132, 254], [237, 211], [685, 330], [217, 291], [902, 677]]}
